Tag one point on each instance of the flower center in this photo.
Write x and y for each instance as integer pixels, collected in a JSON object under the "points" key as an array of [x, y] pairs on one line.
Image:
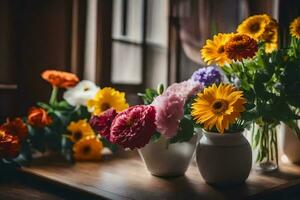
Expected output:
{"points": [[86, 149], [77, 135], [298, 29], [221, 49], [86, 89], [269, 37], [219, 106], [105, 106], [2, 134], [254, 27]]}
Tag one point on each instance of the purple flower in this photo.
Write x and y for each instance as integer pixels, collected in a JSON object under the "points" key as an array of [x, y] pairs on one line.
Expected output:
{"points": [[207, 76]]}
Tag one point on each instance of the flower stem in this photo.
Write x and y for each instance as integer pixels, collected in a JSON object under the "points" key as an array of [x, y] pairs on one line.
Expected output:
{"points": [[53, 98]]}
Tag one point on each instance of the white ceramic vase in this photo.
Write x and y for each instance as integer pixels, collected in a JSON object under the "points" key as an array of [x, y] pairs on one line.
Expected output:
{"points": [[289, 143], [168, 160], [224, 158]]}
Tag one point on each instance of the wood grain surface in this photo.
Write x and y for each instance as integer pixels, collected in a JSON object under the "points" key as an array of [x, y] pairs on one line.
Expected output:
{"points": [[124, 176]]}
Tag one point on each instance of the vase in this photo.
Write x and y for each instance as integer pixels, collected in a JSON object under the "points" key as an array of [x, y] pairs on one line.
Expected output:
{"points": [[264, 143], [289, 144], [224, 159], [165, 160]]}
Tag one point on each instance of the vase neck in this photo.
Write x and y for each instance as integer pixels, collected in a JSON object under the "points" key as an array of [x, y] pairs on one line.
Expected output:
{"points": [[226, 139]]}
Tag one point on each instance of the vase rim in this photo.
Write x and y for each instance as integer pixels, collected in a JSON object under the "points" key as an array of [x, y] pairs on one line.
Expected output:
{"points": [[221, 134], [231, 139]]}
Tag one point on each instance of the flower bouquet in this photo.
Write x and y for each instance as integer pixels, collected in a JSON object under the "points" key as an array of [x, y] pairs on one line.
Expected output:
{"points": [[223, 155], [161, 129], [250, 58], [61, 125]]}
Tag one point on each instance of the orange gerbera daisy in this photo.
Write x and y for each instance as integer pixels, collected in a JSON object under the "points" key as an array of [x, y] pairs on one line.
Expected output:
{"points": [[240, 46], [38, 117], [60, 79], [9, 145], [15, 127]]}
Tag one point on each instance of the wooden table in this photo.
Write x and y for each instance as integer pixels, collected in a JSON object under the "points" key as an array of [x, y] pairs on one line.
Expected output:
{"points": [[124, 176]]}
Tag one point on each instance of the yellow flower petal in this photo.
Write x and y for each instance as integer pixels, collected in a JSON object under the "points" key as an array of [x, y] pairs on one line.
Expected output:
{"points": [[79, 130], [107, 98], [295, 28], [213, 50], [88, 149], [225, 105]]}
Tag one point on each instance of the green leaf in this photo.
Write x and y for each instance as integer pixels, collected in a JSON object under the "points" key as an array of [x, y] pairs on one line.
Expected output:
{"points": [[249, 116], [185, 132], [149, 96], [155, 137], [249, 95], [45, 106], [109, 145], [63, 105]]}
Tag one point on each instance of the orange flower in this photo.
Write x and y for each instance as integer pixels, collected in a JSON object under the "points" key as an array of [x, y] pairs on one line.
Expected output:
{"points": [[38, 117], [240, 46], [60, 79], [9, 145], [15, 127]]}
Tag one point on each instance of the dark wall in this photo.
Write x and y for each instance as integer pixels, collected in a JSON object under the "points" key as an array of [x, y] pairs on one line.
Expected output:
{"points": [[34, 35]]}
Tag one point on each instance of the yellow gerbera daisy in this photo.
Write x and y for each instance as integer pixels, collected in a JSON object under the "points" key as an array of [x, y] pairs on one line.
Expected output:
{"points": [[218, 106], [79, 130], [254, 26], [213, 51], [295, 28], [270, 36], [271, 41], [261, 28], [88, 149], [107, 98]]}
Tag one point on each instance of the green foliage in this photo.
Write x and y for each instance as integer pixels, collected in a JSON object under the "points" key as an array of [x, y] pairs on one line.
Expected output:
{"points": [[109, 145], [155, 137], [148, 96], [185, 132], [53, 137], [50, 137], [271, 84]]}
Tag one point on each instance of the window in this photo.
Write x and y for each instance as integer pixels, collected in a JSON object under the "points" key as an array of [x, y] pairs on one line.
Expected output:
{"points": [[138, 46]]}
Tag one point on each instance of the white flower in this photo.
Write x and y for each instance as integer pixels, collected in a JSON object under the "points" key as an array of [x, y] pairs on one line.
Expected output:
{"points": [[81, 93]]}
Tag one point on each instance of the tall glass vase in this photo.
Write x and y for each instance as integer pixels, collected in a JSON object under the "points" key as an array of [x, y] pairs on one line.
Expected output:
{"points": [[264, 141]]}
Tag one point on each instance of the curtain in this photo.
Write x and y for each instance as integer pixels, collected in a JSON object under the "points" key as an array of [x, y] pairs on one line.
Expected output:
{"points": [[201, 19]]}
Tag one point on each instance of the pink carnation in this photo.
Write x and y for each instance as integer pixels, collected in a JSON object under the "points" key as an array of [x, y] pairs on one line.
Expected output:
{"points": [[169, 112], [134, 127], [184, 90], [102, 123]]}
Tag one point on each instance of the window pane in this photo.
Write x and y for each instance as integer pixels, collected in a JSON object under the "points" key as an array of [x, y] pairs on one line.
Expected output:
{"points": [[133, 18], [126, 63]]}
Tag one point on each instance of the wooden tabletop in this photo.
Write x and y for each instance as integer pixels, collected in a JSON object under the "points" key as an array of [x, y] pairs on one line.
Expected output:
{"points": [[124, 176]]}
